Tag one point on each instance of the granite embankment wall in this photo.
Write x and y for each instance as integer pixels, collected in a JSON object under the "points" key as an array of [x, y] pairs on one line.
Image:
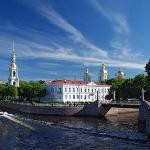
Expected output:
{"points": [[117, 111], [107, 110], [92, 109], [87, 110], [144, 117]]}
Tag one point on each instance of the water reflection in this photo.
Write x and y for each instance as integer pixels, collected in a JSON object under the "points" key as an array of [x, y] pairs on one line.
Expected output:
{"points": [[120, 122]]}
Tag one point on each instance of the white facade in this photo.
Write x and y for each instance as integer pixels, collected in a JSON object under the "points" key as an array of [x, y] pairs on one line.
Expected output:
{"points": [[13, 71], [76, 91]]}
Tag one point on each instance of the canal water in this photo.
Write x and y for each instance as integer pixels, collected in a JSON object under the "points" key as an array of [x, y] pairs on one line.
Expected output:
{"points": [[26, 132]]}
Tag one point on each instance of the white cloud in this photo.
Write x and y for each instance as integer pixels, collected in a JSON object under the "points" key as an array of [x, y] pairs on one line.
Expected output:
{"points": [[27, 49], [54, 17], [123, 50], [60, 54], [31, 48], [118, 20], [76, 35]]}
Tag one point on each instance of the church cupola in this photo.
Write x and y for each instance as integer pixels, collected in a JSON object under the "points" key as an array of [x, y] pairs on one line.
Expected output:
{"points": [[87, 77], [13, 70], [120, 73], [103, 73]]}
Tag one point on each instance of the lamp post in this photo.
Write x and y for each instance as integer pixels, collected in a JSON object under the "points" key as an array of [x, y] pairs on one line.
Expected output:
{"points": [[142, 93], [114, 95]]}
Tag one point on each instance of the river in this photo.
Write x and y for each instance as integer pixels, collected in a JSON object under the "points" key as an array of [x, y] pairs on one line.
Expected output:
{"points": [[26, 132]]}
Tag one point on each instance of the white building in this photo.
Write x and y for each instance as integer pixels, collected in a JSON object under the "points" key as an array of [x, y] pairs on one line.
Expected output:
{"points": [[13, 70], [76, 91]]}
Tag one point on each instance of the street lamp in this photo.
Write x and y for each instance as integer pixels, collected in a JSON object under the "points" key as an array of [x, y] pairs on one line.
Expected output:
{"points": [[142, 93]]}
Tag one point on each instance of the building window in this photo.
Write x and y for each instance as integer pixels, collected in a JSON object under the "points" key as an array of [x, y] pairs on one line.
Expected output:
{"points": [[73, 96], [52, 90], [85, 97], [66, 96], [92, 90], [85, 90], [81, 89], [69, 89], [77, 90], [89, 97], [73, 89], [65, 89], [59, 90], [70, 96], [88, 90], [81, 96], [77, 96], [14, 73]]}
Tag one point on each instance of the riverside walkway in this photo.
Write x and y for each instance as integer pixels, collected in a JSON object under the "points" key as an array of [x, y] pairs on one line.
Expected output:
{"points": [[123, 104]]}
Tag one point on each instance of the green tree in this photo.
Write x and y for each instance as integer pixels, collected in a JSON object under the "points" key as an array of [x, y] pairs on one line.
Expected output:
{"points": [[38, 89], [22, 90], [126, 89], [116, 84], [139, 83], [147, 85], [147, 69], [3, 91]]}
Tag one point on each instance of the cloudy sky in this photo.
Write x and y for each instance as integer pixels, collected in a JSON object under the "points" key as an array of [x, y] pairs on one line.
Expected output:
{"points": [[57, 39]]}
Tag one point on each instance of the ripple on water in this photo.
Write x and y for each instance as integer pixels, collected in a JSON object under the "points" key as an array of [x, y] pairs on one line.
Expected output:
{"points": [[74, 133]]}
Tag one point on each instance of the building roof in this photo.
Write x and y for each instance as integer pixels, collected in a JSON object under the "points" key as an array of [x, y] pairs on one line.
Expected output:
{"points": [[56, 82]]}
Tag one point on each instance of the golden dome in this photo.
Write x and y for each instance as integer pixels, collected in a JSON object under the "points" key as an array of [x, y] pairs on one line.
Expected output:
{"points": [[120, 73], [104, 71]]}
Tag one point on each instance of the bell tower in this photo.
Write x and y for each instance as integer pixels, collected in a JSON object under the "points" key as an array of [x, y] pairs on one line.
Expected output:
{"points": [[120, 73], [13, 70], [87, 77], [103, 73]]}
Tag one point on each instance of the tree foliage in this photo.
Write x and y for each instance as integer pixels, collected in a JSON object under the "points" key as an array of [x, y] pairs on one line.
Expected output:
{"points": [[147, 69], [127, 88], [29, 91]]}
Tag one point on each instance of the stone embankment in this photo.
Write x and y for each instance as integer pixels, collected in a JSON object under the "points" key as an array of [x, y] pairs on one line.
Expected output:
{"points": [[81, 110], [144, 117], [91, 109]]}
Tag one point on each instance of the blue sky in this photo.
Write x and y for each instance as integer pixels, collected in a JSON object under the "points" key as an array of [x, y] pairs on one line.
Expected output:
{"points": [[57, 39]]}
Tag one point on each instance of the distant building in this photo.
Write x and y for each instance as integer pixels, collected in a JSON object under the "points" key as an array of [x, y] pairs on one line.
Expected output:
{"points": [[120, 73], [13, 70], [103, 75], [87, 77], [76, 91], [2, 82]]}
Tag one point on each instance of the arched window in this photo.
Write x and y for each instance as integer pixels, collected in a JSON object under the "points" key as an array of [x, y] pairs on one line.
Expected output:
{"points": [[14, 73], [14, 83]]}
